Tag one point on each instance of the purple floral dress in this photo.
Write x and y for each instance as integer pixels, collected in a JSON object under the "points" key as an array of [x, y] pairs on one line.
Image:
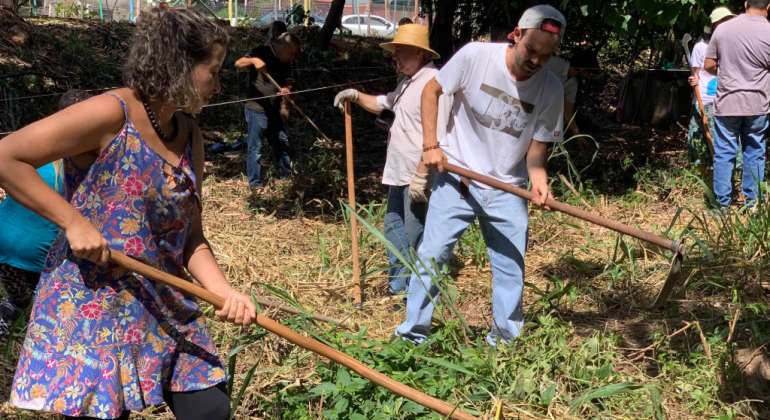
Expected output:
{"points": [[102, 340]]}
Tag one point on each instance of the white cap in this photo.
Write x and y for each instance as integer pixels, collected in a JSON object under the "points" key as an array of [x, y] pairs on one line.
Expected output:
{"points": [[534, 16], [707, 30]]}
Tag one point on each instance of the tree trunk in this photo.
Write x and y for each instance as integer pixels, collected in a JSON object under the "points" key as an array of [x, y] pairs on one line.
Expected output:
{"points": [[441, 32], [333, 21]]}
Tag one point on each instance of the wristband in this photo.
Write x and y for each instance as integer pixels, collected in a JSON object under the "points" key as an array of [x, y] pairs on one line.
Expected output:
{"points": [[429, 148]]}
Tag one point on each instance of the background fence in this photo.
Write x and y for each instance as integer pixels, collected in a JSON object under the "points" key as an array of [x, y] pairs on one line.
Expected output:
{"points": [[244, 12]]}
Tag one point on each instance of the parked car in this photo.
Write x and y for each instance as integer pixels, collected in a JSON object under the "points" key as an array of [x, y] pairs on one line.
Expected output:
{"points": [[269, 17], [375, 25]]}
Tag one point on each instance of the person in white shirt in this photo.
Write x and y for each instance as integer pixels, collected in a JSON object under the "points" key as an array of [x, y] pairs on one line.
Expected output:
{"points": [[506, 111], [406, 177]]}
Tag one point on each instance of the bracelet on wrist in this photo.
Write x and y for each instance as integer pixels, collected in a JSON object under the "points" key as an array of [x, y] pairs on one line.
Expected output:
{"points": [[429, 148]]}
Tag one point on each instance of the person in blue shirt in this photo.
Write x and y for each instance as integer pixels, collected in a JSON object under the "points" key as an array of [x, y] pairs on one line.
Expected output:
{"points": [[25, 239]]}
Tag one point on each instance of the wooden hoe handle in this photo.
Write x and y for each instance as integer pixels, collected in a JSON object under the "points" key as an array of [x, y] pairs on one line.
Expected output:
{"points": [[277, 86], [567, 209], [378, 378]]}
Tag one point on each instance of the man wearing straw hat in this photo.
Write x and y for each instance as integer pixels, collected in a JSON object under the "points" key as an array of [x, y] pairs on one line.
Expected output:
{"points": [[740, 48], [506, 111], [406, 177]]}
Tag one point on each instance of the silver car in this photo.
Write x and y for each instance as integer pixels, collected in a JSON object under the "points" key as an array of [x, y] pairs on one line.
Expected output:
{"points": [[369, 25]]}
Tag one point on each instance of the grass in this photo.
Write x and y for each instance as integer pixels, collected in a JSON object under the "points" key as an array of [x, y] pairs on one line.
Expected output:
{"points": [[592, 346]]}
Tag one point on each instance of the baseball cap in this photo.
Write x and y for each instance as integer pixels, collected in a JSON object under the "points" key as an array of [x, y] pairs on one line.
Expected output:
{"points": [[534, 16], [720, 13], [707, 30]]}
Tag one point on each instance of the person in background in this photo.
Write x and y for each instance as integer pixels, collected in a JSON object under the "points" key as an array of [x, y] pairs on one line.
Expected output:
{"points": [[499, 33], [25, 239], [740, 50], [405, 21], [103, 341], [405, 176], [278, 28], [706, 83], [263, 115], [583, 65], [507, 109]]}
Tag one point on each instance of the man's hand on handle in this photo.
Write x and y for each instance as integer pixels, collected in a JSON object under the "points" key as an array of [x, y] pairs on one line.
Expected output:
{"points": [[434, 158], [542, 193]]}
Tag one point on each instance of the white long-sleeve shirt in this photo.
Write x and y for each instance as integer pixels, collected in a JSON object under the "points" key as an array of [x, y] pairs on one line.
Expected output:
{"points": [[405, 143]]}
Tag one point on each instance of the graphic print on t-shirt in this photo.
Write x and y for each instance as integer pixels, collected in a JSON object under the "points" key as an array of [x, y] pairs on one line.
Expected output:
{"points": [[502, 111]]}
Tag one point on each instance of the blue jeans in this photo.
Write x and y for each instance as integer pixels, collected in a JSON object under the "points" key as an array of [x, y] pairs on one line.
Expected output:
{"points": [[751, 131], [504, 222], [263, 126], [403, 225]]}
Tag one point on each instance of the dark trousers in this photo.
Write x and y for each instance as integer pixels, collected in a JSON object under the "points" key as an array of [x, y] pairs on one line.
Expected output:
{"points": [[266, 126], [205, 404]]}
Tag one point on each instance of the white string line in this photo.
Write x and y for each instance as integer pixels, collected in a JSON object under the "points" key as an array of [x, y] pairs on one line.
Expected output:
{"points": [[271, 96], [298, 92], [117, 87], [53, 94]]}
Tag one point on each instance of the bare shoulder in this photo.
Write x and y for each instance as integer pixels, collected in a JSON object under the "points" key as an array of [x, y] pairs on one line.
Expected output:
{"points": [[104, 110]]}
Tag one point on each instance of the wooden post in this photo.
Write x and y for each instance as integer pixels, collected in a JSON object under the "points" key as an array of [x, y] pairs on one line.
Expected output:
{"points": [[138, 7], [416, 10], [352, 203]]}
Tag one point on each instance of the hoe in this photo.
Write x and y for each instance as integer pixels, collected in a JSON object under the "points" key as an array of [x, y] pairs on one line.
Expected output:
{"points": [[677, 247]]}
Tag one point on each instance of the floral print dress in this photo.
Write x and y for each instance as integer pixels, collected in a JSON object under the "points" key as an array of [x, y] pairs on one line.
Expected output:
{"points": [[101, 339]]}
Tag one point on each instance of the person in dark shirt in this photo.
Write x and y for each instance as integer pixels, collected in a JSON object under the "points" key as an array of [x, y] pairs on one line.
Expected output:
{"points": [[263, 110]]}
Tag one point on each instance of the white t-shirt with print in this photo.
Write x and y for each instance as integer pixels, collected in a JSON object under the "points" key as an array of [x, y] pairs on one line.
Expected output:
{"points": [[494, 117], [708, 82]]}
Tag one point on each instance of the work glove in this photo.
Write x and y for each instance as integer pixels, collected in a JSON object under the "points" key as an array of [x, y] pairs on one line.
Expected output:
{"points": [[418, 189], [347, 94]]}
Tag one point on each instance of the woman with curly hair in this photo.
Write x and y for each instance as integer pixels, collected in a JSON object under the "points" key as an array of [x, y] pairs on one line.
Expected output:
{"points": [[101, 340]]}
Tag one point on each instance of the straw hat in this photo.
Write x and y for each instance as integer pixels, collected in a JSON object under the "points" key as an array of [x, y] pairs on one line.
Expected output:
{"points": [[413, 35], [720, 13]]}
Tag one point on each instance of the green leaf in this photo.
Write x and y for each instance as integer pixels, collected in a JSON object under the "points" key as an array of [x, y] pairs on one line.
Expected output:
{"points": [[615, 389], [448, 365], [342, 405], [584, 9], [324, 388], [604, 372], [547, 396], [246, 383], [343, 377]]}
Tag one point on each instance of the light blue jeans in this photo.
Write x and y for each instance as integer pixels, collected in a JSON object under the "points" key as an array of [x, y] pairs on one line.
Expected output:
{"points": [[402, 227], [751, 131], [504, 223]]}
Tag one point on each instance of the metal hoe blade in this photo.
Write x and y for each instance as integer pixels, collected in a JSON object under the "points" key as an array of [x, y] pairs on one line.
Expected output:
{"points": [[673, 274]]}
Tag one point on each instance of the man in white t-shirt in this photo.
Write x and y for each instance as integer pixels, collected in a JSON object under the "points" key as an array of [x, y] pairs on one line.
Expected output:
{"points": [[408, 184], [506, 110]]}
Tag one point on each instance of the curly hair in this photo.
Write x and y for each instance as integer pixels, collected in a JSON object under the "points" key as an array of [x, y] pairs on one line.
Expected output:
{"points": [[166, 47]]}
